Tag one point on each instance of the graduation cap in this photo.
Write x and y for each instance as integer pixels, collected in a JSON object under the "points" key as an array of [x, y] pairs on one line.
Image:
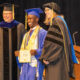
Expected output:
{"points": [[8, 7], [54, 6], [32, 11]]}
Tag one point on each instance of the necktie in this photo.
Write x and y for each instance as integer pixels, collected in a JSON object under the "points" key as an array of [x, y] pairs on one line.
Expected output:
{"points": [[31, 32]]}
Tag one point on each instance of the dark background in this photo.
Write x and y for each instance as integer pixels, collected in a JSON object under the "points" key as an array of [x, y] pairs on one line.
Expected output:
{"points": [[70, 9]]}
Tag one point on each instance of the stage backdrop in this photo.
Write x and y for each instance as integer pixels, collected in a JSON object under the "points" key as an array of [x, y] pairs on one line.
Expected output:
{"points": [[70, 9]]}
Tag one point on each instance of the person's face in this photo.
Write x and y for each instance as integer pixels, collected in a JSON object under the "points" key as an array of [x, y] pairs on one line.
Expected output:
{"points": [[7, 16], [48, 12], [32, 20]]}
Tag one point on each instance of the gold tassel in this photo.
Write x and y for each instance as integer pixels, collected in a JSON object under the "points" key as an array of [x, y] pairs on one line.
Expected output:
{"points": [[26, 21], [13, 10], [51, 21]]}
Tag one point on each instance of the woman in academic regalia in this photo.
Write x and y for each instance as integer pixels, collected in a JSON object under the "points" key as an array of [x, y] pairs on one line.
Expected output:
{"points": [[58, 54]]}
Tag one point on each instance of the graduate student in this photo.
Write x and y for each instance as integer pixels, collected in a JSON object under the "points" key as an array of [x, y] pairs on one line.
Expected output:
{"points": [[33, 41]]}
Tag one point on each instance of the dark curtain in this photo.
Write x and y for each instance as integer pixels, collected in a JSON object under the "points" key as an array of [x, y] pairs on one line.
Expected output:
{"points": [[70, 9]]}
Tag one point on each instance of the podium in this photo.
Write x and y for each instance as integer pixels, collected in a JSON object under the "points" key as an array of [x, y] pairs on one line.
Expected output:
{"points": [[77, 66], [8, 44]]}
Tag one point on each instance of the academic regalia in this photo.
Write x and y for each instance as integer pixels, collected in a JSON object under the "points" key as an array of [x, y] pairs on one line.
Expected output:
{"points": [[11, 37], [28, 71], [58, 51], [33, 39]]}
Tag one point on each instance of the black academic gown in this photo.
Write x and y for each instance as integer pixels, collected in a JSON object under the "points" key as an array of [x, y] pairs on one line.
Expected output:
{"points": [[57, 50], [11, 35]]}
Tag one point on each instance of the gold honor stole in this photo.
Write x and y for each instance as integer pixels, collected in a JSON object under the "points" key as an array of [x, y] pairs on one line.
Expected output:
{"points": [[32, 44]]}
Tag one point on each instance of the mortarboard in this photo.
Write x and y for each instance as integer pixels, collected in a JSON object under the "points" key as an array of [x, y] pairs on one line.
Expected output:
{"points": [[6, 6], [32, 11]]}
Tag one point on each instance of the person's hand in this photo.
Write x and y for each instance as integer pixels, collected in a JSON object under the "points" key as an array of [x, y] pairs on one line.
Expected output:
{"points": [[45, 62], [16, 53], [33, 52]]}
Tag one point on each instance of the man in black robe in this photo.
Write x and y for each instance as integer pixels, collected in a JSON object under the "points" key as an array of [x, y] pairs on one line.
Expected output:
{"points": [[57, 51], [11, 33]]}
